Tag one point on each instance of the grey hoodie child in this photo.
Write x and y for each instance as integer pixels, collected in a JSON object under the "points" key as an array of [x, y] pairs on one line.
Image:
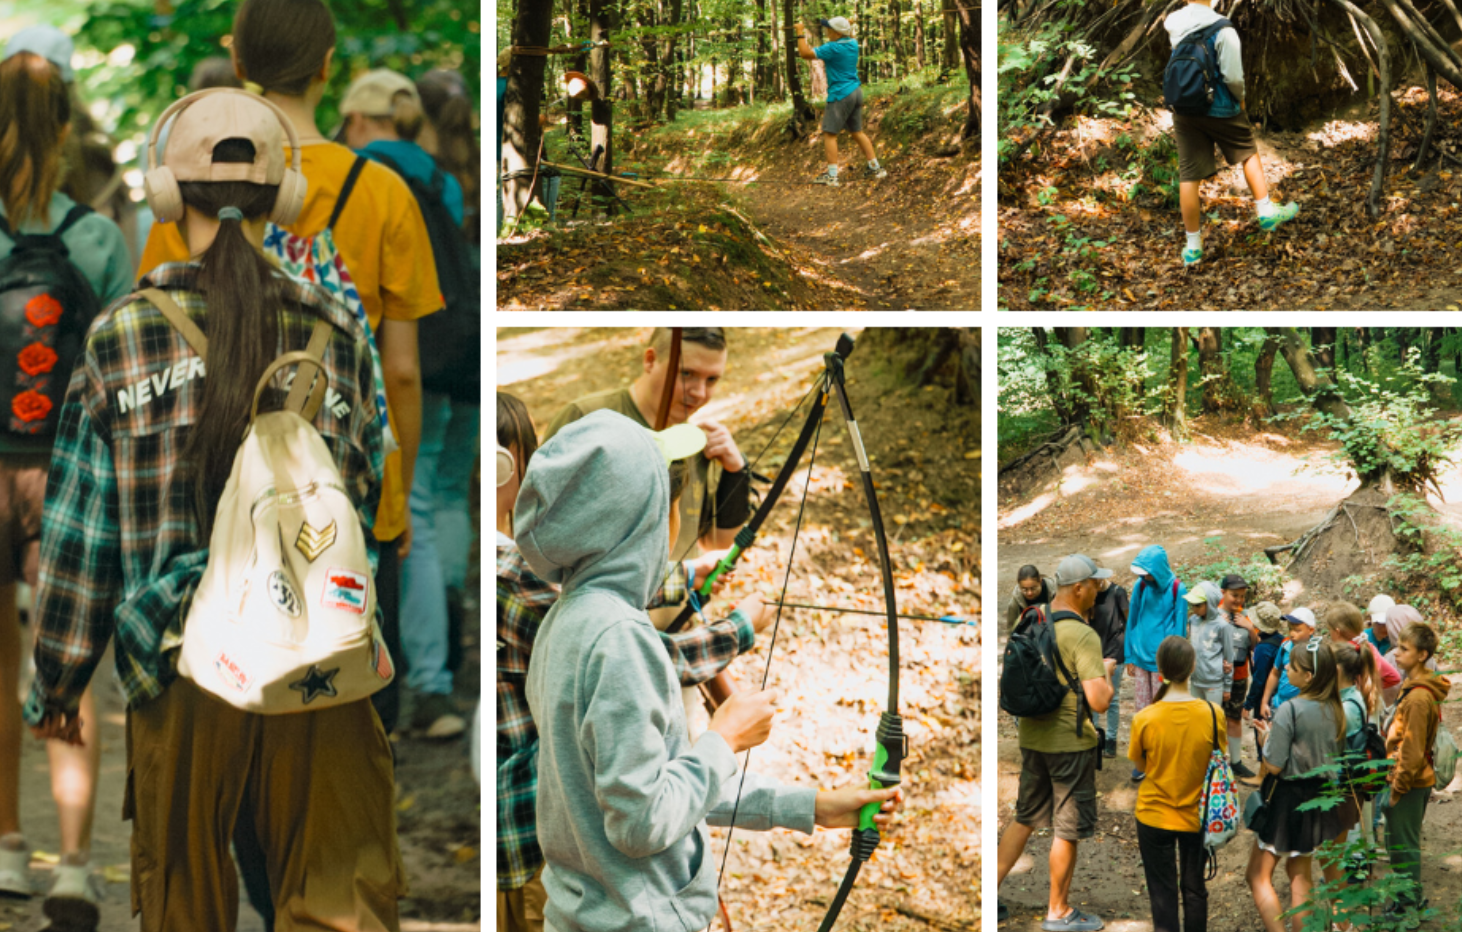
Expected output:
{"points": [[623, 794], [1210, 636]]}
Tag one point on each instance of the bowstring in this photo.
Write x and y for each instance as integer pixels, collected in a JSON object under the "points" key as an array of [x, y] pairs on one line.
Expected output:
{"points": [[772, 648]]}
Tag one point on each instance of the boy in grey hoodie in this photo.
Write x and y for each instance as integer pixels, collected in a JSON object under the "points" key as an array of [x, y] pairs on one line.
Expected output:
{"points": [[1213, 671], [624, 797]]}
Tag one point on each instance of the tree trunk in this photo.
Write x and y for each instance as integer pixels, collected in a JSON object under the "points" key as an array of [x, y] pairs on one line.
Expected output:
{"points": [[1053, 379], [1175, 410], [970, 45], [1264, 377], [895, 13], [601, 111], [919, 34], [1322, 346], [762, 71], [802, 112], [949, 58], [579, 62], [1319, 389], [1133, 339], [1081, 375], [521, 132]]}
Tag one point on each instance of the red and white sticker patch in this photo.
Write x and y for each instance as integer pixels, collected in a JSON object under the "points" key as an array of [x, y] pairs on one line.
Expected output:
{"points": [[231, 673], [346, 590], [384, 669]]}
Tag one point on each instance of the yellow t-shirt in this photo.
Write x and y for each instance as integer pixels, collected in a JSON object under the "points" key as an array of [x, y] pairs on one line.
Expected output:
{"points": [[383, 240], [1171, 743]]}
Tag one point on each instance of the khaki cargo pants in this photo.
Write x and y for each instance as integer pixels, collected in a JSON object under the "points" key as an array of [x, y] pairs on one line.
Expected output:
{"points": [[319, 787]]}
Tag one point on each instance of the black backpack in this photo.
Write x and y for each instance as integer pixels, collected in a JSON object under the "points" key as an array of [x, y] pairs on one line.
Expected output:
{"points": [[450, 340], [1360, 775], [46, 305], [1031, 678], [1192, 76]]}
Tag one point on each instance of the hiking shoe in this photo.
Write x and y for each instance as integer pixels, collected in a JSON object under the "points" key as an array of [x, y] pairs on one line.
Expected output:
{"points": [[1002, 912], [1191, 256], [875, 173], [1111, 748], [72, 903], [1137, 775], [1074, 921], [1242, 772], [15, 868], [436, 717], [1281, 214], [827, 178]]}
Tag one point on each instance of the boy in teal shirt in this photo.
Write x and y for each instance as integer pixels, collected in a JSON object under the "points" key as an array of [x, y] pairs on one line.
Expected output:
{"points": [[839, 56]]}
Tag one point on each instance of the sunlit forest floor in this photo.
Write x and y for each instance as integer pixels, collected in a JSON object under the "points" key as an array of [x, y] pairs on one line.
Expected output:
{"points": [[769, 239], [1091, 221], [832, 669]]}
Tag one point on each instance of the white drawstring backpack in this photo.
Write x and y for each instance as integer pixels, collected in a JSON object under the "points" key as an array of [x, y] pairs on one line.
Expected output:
{"points": [[284, 617]]}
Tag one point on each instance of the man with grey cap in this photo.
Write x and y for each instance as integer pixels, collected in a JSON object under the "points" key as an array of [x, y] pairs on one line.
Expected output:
{"points": [[1060, 752], [839, 55]]}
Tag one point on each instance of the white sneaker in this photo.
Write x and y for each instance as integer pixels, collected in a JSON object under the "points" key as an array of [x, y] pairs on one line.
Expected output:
{"points": [[827, 178], [72, 903], [15, 873]]}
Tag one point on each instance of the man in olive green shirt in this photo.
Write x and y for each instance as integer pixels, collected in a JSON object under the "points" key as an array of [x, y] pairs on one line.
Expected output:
{"points": [[1059, 752]]}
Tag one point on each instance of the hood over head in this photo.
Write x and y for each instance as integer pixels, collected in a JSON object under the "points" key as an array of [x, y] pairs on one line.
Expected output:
{"points": [[1157, 608], [1154, 561], [594, 509], [1213, 595]]}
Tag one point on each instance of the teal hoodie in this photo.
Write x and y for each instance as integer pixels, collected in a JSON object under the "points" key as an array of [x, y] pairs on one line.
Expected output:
{"points": [[1157, 609], [624, 796]]}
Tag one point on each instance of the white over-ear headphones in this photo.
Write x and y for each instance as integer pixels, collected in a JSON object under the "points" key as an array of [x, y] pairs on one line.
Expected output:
{"points": [[505, 466], [166, 198]]}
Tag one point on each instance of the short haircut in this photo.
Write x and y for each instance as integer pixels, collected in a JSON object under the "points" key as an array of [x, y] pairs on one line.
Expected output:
{"points": [[1420, 637], [679, 472], [1344, 618], [712, 338], [1028, 571]]}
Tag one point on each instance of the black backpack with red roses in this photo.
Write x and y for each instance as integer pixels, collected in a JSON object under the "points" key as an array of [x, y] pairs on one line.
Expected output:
{"points": [[46, 305]]}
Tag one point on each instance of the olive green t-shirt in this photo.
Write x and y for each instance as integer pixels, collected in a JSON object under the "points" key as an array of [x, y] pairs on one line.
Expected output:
{"points": [[695, 500], [1081, 652]]}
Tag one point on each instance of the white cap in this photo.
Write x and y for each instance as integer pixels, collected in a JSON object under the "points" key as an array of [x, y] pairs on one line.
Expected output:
{"points": [[1378, 608], [1139, 570], [839, 24], [1303, 615]]}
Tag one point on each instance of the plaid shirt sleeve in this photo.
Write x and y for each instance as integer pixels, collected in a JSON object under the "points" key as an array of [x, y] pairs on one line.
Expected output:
{"points": [[673, 590], [81, 559], [700, 653]]}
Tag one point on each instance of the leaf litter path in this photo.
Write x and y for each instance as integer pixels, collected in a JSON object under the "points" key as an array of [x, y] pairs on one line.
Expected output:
{"points": [[1242, 492], [832, 669], [1070, 240], [907, 242]]}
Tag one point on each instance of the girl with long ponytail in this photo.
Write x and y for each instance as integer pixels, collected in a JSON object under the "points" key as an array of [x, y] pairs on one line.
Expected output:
{"points": [[1307, 732], [1171, 741], [149, 432], [37, 120]]}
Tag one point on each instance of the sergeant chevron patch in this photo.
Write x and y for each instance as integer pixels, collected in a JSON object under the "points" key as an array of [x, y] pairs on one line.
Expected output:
{"points": [[313, 541]]}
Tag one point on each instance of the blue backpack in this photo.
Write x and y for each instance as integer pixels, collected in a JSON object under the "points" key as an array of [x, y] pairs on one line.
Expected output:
{"points": [[1192, 84]]}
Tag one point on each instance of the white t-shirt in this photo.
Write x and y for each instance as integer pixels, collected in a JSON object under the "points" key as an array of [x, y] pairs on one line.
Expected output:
{"points": [[1194, 17]]}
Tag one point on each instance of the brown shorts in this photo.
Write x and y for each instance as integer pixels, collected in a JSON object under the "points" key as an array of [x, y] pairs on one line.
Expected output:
{"points": [[22, 493], [1198, 135], [1059, 790], [317, 786], [1234, 708], [521, 910]]}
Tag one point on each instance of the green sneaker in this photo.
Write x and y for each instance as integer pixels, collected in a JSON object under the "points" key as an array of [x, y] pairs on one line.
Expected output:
{"points": [[1191, 256], [1281, 215]]}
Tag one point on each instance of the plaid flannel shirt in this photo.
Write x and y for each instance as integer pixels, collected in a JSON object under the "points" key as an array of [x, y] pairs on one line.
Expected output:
{"points": [[121, 550], [523, 599]]}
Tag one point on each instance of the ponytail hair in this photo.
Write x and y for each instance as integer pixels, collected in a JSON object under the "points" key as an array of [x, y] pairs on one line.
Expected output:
{"points": [[35, 110], [245, 299], [449, 108], [1175, 660], [1359, 663], [1324, 685], [406, 116]]}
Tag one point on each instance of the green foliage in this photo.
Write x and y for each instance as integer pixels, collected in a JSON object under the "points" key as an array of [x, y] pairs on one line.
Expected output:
{"points": [[1392, 427], [1030, 61], [1152, 168], [1433, 551], [137, 61], [1266, 581]]}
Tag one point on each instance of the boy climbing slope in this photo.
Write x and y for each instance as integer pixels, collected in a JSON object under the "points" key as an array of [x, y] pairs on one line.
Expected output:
{"points": [[839, 56], [1207, 53]]}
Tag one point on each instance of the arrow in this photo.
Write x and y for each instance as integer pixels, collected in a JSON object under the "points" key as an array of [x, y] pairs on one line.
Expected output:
{"points": [[947, 619]]}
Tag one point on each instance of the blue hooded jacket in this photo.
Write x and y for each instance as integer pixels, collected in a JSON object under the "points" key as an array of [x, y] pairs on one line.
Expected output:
{"points": [[1158, 609]]}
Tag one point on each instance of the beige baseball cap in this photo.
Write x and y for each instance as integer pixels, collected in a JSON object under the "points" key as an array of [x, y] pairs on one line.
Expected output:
{"points": [[371, 93], [226, 114]]}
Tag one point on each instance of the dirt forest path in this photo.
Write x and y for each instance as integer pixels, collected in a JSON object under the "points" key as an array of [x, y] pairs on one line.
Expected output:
{"points": [[876, 244], [437, 812], [1216, 496], [832, 670]]}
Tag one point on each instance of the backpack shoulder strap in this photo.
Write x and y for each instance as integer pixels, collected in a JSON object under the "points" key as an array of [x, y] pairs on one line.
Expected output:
{"points": [[356, 168], [72, 216], [308, 393], [1217, 744], [179, 319]]}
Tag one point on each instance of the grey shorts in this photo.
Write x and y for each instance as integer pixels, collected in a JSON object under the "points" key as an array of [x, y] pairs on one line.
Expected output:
{"points": [[845, 114]]}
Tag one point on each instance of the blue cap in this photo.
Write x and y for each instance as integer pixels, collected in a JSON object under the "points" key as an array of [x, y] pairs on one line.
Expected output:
{"points": [[48, 42]]}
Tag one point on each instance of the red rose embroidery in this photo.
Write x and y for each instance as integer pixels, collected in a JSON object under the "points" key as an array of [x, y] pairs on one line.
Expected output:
{"points": [[37, 359], [31, 406], [42, 310]]}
